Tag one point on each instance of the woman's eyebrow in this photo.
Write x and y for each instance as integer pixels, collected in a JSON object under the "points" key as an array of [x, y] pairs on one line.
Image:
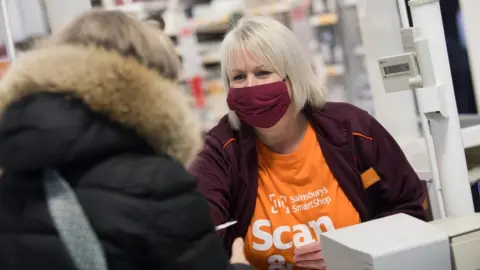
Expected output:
{"points": [[235, 71]]}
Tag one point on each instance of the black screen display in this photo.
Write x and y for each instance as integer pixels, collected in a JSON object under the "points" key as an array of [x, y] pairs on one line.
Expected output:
{"points": [[401, 68]]}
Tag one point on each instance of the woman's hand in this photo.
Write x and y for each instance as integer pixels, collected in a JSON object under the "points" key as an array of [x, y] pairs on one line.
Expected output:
{"points": [[309, 256], [238, 255]]}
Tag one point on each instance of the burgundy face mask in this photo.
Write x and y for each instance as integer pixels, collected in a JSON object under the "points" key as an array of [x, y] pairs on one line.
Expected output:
{"points": [[261, 105]]}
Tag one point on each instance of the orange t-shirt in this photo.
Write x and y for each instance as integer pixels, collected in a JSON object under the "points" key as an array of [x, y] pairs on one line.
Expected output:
{"points": [[298, 199]]}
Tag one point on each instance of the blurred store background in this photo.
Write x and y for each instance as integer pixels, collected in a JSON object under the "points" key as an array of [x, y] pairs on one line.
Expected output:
{"points": [[328, 28]]}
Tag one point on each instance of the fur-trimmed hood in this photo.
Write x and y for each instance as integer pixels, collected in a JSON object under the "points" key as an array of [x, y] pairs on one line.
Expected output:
{"points": [[117, 87]]}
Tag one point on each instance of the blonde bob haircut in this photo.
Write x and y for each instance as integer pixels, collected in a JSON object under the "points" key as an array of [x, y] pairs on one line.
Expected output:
{"points": [[278, 49], [124, 34]]}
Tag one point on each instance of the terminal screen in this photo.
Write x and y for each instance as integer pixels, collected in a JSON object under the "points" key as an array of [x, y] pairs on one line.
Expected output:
{"points": [[401, 68]]}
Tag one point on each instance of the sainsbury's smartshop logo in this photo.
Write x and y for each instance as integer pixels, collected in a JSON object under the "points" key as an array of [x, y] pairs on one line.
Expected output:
{"points": [[299, 202], [279, 203]]}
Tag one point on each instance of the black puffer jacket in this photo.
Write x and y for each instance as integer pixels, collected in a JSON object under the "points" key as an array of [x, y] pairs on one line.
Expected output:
{"points": [[119, 135]]}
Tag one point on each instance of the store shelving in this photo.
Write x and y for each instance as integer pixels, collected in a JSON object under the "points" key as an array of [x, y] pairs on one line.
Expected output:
{"points": [[335, 70], [324, 19], [357, 84], [211, 58], [140, 9], [268, 9], [214, 25]]}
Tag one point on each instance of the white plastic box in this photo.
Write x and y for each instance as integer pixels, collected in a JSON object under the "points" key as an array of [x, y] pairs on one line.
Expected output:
{"points": [[397, 242]]}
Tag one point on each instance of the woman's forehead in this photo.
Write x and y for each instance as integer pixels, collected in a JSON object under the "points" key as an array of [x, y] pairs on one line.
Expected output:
{"points": [[244, 60]]}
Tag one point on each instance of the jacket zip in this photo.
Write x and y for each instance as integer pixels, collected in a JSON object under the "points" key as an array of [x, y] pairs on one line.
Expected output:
{"points": [[353, 163], [351, 145], [234, 232]]}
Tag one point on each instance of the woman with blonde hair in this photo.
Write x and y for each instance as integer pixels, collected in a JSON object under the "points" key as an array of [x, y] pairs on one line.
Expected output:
{"points": [[99, 103], [286, 164]]}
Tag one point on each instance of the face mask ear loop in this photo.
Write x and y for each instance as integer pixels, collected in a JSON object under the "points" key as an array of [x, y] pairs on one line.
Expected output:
{"points": [[285, 80]]}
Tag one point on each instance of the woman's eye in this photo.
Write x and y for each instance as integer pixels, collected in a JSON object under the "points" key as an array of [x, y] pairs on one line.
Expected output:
{"points": [[237, 77], [263, 73]]}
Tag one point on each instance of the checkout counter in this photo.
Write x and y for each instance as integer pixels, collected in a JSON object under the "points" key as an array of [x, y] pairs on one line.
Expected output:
{"points": [[401, 242]]}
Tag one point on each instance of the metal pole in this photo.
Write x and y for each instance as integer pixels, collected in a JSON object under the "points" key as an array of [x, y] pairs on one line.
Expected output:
{"points": [[446, 132], [9, 42], [402, 10], [435, 194]]}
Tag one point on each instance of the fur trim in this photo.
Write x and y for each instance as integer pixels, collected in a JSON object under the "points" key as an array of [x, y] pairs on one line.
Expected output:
{"points": [[118, 87]]}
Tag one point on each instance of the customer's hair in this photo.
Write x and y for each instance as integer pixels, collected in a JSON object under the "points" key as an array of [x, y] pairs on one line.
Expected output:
{"points": [[117, 31], [276, 47]]}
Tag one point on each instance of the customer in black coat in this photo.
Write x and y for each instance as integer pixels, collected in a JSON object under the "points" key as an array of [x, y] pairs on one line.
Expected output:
{"points": [[99, 102]]}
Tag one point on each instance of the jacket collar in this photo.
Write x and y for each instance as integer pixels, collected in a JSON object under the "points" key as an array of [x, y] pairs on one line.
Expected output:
{"points": [[333, 130], [118, 87]]}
